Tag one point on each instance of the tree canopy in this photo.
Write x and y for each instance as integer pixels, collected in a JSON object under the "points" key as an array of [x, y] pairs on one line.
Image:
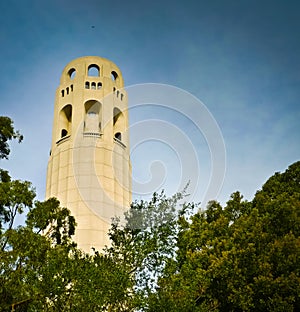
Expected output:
{"points": [[7, 133], [41, 268], [168, 256], [243, 257]]}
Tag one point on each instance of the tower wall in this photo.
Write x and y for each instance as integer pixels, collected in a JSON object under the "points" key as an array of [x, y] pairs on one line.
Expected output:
{"points": [[89, 168]]}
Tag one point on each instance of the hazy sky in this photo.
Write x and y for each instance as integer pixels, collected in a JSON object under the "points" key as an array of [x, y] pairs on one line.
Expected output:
{"points": [[240, 58]]}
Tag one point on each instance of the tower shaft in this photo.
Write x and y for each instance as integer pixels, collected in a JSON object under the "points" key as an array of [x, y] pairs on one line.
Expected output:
{"points": [[89, 168]]}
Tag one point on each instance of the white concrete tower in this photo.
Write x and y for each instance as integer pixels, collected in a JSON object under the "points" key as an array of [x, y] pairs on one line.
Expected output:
{"points": [[89, 168]]}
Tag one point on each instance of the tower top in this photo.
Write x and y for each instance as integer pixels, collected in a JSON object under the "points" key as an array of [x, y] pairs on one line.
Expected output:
{"points": [[92, 66]]}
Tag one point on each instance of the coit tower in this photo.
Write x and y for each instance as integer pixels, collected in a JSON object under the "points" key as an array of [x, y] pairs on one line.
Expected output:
{"points": [[89, 168]]}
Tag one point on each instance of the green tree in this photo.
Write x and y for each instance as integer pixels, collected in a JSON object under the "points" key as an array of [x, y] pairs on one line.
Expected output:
{"points": [[145, 242], [244, 257], [40, 267], [7, 133]]}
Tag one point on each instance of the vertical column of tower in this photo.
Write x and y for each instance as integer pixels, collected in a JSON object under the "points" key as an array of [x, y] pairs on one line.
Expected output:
{"points": [[89, 168]]}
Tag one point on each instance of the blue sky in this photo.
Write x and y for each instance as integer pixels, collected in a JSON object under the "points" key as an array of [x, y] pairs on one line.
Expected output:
{"points": [[240, 58]]}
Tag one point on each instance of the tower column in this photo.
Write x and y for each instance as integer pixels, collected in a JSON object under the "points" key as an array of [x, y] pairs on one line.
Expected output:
{"points": [[89, 167]]}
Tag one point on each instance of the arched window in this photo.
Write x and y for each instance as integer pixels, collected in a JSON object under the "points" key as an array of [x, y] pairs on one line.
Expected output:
{"points": [[65, 120], [62, 93], [87, 85], [72, 73], [118, 123], [118, 93], [117, 114], [114, 75], [71, 86], [67, 90], [118, 136], [99, 85], [122, 95], [94, 70], [93, 116], [93, 85], [64, 133]]}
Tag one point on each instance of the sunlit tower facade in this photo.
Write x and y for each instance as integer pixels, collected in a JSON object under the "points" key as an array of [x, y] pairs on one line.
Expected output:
{"points": [[89, 167]]}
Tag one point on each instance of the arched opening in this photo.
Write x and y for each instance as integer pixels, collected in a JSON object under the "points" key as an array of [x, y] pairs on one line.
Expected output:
{"points": [[65, 120], [93, 85], [99, 85], [67, 90], [93, 116], [62, 93], [94, 70], [72, 73], [118, 136], [114, 75], [87, 85], [64, 133], [118, 123]]}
